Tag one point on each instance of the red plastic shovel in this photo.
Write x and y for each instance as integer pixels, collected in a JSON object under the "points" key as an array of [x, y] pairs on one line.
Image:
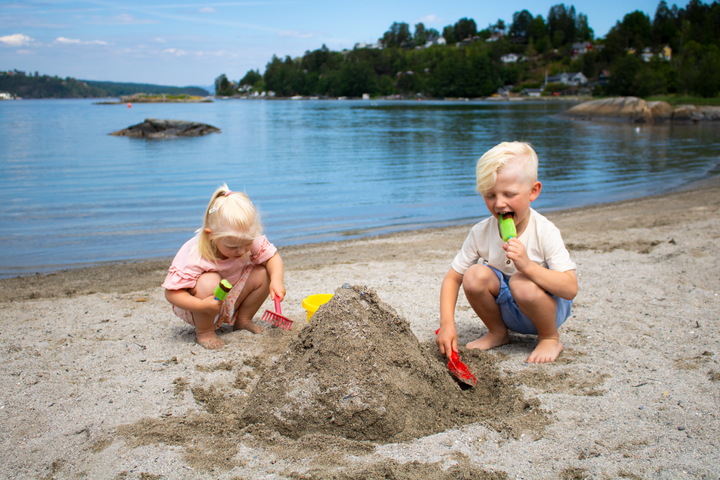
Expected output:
{"points": [[276, 318], [459, 370]]}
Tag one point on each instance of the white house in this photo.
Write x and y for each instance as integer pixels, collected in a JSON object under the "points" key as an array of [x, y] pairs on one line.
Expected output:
{"points": [[435, 41], [510, 58], [574, 79]]}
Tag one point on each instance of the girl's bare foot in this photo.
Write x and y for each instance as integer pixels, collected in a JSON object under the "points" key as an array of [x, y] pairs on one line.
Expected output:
{"points": [[209, 340], [546, 351], [249, 326], [489, 340]]}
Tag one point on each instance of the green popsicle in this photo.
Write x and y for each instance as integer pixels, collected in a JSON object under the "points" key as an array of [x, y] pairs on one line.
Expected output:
{"points": [[507, 228], [222, 290]]}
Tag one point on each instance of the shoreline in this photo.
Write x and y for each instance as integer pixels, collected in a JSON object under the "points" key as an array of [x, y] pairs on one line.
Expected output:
{"points": [[145, 273]]}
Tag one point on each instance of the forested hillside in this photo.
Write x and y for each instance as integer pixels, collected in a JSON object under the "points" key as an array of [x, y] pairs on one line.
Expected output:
{"points": [[25, 85], [675, 51]]}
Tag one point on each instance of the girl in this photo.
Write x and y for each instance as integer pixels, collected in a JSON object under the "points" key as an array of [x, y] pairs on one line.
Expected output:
{"points": [[230, 245]]}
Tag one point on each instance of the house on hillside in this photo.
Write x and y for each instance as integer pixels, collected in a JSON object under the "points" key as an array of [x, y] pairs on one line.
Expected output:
{"points": [[575, 79], [510, 58], [435, 41], [581, 48], [665, 54]]}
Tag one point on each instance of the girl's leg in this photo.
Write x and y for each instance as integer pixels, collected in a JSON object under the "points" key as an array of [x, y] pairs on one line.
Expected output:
{"points": [[256, 290], [205, 323], [540, 307], [482, 286]]}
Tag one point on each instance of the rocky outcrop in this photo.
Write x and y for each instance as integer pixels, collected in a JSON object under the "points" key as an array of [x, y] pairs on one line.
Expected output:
{"points": [[632, 109], [154, 128], [637, 110]]}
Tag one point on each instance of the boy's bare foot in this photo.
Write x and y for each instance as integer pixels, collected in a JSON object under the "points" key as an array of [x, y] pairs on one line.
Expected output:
{"points": [[546, 351], [209, 340], [249, 326], [489, 340]]}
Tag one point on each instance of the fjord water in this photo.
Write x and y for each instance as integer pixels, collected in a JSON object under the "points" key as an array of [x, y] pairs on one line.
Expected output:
{"points": [[71, 195]]}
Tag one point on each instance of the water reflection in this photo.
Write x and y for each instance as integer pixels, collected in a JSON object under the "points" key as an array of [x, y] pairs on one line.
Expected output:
{"points": [[318, 170]]}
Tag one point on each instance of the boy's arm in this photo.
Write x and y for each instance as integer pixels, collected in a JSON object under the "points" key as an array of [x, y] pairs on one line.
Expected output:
{"points": [[447, 335], [276, 271], [560, 284]]}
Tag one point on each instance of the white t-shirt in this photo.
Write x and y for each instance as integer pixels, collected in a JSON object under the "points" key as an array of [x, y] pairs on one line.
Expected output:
{"points": [[541, 238]]}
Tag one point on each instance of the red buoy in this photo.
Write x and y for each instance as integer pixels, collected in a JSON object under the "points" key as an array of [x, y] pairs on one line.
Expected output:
{"points": [[128, 105]]}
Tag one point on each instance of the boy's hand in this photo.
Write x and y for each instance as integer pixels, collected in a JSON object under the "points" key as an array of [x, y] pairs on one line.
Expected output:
{"points": [[517, 253], [446, 340]]}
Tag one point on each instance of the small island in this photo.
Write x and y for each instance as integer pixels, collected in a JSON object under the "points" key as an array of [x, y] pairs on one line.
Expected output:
{"points": [[157, 98], [153, 128]]}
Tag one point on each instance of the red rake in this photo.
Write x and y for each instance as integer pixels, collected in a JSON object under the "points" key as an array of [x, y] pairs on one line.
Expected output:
{"points": [[277, 319]]}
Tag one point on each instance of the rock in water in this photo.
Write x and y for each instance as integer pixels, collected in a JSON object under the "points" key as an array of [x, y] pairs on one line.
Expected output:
{"points": [[154, 128], [357, 371], [632, 109]]}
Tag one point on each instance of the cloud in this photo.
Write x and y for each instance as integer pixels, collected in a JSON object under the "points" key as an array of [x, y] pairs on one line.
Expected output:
{"points": [[175, 51], [432, 18], [159, 40], [122, 19], [295, 34], [16, 40], [74, 41], [207, 10]]}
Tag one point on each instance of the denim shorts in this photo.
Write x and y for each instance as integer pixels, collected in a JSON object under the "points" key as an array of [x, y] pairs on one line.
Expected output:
{"points": [[516, 320]]}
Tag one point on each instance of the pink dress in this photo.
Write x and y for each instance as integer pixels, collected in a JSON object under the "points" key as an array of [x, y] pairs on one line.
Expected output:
{"points": [[188, 265]]}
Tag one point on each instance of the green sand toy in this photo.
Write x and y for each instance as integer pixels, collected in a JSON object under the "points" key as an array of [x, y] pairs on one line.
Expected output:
{"points": [[222, 290], [507, 228]]}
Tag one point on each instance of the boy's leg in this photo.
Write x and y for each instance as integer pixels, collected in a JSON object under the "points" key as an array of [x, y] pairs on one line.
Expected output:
{"points": [[205, 323], [256, 290], [482, 287], [540, 307]]}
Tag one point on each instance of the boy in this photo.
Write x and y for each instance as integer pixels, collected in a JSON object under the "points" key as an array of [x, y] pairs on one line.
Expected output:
{"points": [[527, 284]]}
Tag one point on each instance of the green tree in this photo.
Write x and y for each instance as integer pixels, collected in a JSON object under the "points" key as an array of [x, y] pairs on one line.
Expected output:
{"points": [[222, 85], [397, 36], [521, 24], [465, 28]]}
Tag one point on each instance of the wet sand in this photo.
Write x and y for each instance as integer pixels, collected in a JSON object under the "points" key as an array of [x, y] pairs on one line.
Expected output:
{"points": [[100, 380]]}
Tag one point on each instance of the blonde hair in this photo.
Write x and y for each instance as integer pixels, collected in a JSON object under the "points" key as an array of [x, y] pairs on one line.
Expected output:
{"points": [[498, 157], [229, 214]]}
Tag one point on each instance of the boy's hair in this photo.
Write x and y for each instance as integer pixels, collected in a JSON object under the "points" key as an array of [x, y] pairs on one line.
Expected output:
{"points": [[499, 156], [229, 214]]}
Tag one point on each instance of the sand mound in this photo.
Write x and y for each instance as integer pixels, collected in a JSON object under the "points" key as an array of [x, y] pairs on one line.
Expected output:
{"points": [[359, 372]]}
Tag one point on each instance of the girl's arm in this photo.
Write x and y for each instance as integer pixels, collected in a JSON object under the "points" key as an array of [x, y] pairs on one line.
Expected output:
{"points": [[183, 299], [276, 271]]}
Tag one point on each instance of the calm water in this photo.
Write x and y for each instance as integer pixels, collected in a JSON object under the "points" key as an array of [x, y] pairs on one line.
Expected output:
{"points": [[318, 170]]}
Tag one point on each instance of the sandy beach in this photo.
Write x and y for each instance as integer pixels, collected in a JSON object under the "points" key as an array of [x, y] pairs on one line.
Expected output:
{"points": [[100, 380]]}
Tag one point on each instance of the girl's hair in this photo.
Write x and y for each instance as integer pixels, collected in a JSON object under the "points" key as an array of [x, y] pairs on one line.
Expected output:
{"points": [[229, 214], [498, 158]]}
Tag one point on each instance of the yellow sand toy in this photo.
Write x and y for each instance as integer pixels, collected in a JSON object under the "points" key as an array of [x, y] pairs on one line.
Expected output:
{"points": [[313, 302]]}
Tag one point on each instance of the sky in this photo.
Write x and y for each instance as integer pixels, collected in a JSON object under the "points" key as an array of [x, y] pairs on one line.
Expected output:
{"points": [[186, 42]]}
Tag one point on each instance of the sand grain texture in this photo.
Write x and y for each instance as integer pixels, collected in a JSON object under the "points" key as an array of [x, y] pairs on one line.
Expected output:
{"points": [[100, 380]]}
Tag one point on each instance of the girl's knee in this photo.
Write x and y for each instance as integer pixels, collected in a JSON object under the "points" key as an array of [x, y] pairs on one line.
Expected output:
{"points": [[206, 284], [259, 277]]}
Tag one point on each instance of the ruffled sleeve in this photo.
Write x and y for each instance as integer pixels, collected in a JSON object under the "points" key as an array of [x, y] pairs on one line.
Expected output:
{"points": [[186, 268], [261, 250]]}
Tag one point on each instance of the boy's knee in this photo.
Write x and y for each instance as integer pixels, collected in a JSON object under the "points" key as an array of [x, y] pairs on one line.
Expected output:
{"points": [[478, 279], [525, 291]]}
